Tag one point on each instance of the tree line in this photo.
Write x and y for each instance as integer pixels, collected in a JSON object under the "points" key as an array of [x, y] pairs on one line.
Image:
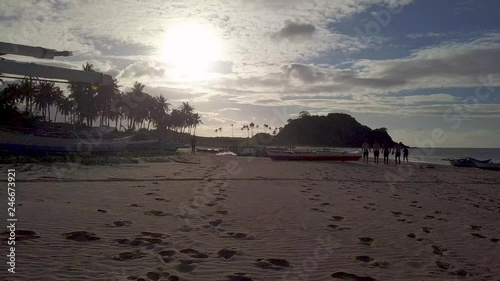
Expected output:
{"points": [[90, 105]]}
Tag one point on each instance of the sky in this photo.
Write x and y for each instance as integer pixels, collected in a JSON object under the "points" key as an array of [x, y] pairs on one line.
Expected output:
{"points": [[426, 70]]}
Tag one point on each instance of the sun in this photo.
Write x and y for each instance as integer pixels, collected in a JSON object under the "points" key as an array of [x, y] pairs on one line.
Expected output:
{"points": [[190, 49]]}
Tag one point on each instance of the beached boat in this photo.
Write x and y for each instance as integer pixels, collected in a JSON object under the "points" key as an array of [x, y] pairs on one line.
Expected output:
{"points": [[16, 142], [320, 155], [208, 150], [243, 150], [467, 162], [488, 166]]}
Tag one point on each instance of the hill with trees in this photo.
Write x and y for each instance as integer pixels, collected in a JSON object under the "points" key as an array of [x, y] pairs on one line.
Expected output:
{"points": [[334, 130]]}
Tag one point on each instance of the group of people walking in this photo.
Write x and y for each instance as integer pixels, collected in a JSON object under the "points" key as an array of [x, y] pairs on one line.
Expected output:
{"points": [[386, 149]]}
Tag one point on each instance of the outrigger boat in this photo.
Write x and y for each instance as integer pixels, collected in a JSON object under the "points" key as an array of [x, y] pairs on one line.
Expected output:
{"points": [[320, 155], [489, 166], [468, 162], [16, 143]]}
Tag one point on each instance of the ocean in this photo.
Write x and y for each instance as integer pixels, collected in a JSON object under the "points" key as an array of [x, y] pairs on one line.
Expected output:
{"points": [[433, 155], [436, 155]]}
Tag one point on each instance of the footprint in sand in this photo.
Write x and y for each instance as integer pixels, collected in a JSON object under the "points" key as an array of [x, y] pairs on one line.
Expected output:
{"points": [[185, 266], [121, 223], [364, 258], [478, 235], [351, 277], [236, 235], [101, 211], [427, 229], [81, 236], [396, 214], [193, 253], [238, 277], [226, 253], [443, 265], [155, 275], [20, 235], [380, 264], [136, 205], [152, 194], [337, 218], [366, 240], [125, 256], [476, 227], [222, 212], [215, 222], [411, 235], [317, 210], [156, 213], [162, 199], [438, 250], [275, 264], [154, 234]]}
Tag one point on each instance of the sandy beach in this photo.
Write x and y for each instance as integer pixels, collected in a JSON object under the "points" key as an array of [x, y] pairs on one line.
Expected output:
{"points": [[236, 218]]}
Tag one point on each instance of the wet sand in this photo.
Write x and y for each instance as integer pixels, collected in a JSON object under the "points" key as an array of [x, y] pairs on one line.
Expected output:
{"points": [[236, 218]]}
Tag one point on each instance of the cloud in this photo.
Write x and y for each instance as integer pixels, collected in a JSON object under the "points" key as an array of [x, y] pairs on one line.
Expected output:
{"points": [[294, 31], [448, 65], [222, 67], [141, 69], [303, 73], [425, 35], [230, 109]]}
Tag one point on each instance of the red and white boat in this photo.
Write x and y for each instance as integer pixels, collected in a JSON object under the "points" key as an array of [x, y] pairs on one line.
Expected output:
{"points": [[320, 155]]}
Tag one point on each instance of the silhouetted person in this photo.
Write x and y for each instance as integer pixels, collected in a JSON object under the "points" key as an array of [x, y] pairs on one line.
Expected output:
{"points": [[376, 152], [193, 145], [398, 149], [405, 154], [386, 153], [366, 150]]}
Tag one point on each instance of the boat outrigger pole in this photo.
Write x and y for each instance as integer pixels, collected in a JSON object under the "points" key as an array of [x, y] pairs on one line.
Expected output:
{"points": [[51, 72]]}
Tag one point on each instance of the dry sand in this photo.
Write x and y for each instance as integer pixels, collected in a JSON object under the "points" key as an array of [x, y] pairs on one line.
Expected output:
{"points": [[234, 218]]}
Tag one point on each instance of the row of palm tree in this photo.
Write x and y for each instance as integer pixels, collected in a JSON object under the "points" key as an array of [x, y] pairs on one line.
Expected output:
{"points": [[105, 105], [248, 130]]}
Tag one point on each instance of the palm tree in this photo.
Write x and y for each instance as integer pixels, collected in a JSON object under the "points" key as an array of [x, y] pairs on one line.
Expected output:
{"points": [[216, 130], [220, 130], [27, 93], [9, 96], [159, 115], [186, 110], [252, 125], [47, 95], [65, 106], [232, 130], [196, 121]]}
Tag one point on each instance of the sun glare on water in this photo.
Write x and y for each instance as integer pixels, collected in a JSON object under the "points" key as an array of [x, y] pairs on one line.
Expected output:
{"points": [[190, 49]]}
